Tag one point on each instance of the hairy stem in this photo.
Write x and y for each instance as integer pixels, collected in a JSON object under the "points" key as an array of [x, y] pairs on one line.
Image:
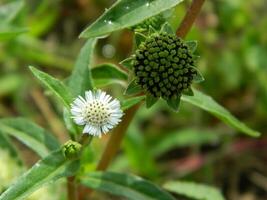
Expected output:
{"points": [[189, 18]]}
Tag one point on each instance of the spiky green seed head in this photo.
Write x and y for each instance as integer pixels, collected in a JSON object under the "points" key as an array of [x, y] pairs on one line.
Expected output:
{"points": [[155, 22], [163, 65]]}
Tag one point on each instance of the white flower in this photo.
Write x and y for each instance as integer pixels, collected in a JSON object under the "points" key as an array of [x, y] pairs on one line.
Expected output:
{"points": [[97, 111]]}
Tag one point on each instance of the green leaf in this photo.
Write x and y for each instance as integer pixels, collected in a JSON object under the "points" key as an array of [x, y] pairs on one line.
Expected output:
{"points": [[54, 85], [139, 38], [137, 151], [35, 137], [108, 71], [194, 190], [166, 27], [10, 83], [192, 45], [5, 143], [129, 186], [8, 32], [150, 100], [133, 88], [126, 13], [208, 104], [80, 79], [48, 170], [151, 30], [188, 92], [183, 138], [99, 83], [128, 63], [72, 128], [31, 49], [126, 104], [198, 77], [10, 10], [174, 103]]}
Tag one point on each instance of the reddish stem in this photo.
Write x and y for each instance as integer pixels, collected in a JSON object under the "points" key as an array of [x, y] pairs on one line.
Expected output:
{"points": [[189, 18]]}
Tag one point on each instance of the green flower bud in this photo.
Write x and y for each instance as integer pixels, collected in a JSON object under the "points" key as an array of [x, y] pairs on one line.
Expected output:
{"points": [[167, 65], [71, 149]]}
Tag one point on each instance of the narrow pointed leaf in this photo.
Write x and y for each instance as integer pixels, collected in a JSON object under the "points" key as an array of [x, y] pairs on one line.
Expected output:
{"points": [[73, 129], [109, 71], [126, 13], [208, 104], [129, 186], [184, 138], [194, 190], [150, 100], [166, 27], [128, 63], [5, 143], [151, 30], [133, 88], [174, 103], [81, 79], [139, 38], [100, 83], [188, 92], [35, 137], [55, 86], [198, 78], [10, 10], [48, 170], [8, 32], [192, 45], [128, 103]]}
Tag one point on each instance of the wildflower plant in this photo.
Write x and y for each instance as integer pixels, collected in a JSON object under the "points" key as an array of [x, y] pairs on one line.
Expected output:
{"points": [[163, 66]]}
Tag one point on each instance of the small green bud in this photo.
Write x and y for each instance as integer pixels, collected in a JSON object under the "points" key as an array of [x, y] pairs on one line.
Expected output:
{"points": [[71, 149]]}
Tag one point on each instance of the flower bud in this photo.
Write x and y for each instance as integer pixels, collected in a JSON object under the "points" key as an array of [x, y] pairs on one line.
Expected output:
{"points": [[71, 149], [155, 22]]}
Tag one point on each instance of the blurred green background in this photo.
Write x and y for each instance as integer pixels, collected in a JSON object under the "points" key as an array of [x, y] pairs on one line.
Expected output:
{"points": [[160, 145]]}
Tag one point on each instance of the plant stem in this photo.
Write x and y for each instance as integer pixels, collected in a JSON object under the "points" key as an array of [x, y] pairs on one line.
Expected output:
{"points": [[115, 138], [72, 188], [189, 18]]}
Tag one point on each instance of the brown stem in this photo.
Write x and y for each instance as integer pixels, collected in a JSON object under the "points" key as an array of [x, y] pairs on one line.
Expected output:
{"points": [[115, 138], [189, 18], [72, 188]]}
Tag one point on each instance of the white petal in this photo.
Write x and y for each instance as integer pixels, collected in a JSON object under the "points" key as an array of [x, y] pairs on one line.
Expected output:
{"points": [[89, 96]]}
